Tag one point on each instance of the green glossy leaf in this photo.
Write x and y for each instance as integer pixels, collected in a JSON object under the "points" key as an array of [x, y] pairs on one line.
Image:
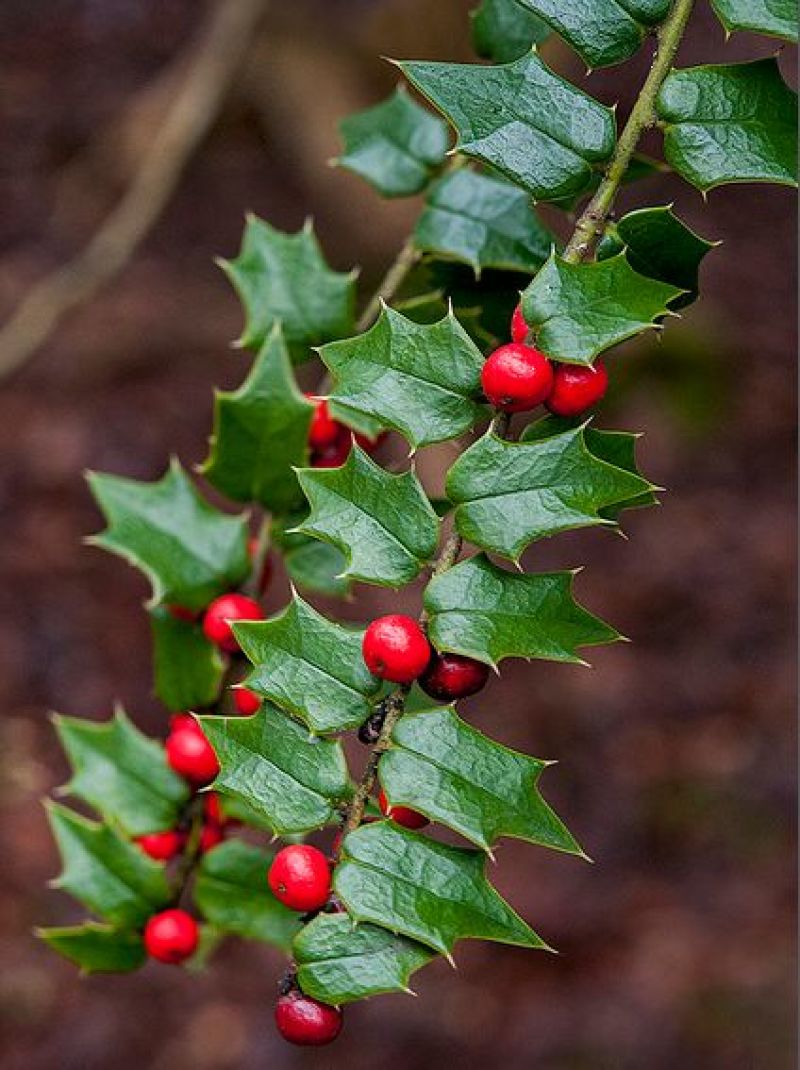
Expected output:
{"points": [[190, 551], [339, 962], [483, 222], [429, 891], [423, 380], [486, 613], [448, 771], [522, 119], [578, 310], [121, 773], [602, 32], [733, 123], [283, 278], [318, 567], [110, 875], [776, 18], [508, 494], [261, 433], [188, 668], [269, 761], [503, 31], [397, 145], [231, 892], [310, 667], [383, 523], [96, 948], [660, 246]]}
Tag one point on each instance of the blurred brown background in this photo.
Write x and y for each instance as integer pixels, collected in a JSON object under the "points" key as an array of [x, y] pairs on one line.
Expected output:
{"points": [[676, 754]]}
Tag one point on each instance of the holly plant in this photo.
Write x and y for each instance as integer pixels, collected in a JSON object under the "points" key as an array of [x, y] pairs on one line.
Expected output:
{"points": [[181, 851]]}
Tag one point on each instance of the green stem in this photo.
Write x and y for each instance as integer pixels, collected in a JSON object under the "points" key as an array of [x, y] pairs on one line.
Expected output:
{"points": [[593, 218], [406, 259]]}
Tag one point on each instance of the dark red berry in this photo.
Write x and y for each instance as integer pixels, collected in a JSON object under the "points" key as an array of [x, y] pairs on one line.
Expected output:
{"points": [[171, 936], [210, 836], [519, 328], [246, 702], [300, 877], [191, 756], [452, 676], [302, 1020], [223, 610], [324, 430], [162, 845], [212, 809], [576, 388], [395, 648], [402, 815], [516, 378], [370, 445], [182, 613], [334, 455]]}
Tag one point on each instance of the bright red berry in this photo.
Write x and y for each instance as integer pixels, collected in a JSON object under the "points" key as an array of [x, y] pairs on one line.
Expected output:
{"points": [[324, 430], [161, 845], [516, 378], [191, 756], [402, 815], [395, 648], [183, 720], [246, 702], [576, 388], [171, 936], [210, 836], [335, 454], [302, 1020], [519, 328], [223, 610], [452, 676], [300, 877]]}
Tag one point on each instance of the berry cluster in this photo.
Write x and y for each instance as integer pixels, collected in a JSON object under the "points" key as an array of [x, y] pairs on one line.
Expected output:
{"points": [[517, 377], [330, 442]]}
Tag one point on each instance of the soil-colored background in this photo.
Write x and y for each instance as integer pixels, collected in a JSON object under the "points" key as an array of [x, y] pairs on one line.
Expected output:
{"points": [[676, 753]]}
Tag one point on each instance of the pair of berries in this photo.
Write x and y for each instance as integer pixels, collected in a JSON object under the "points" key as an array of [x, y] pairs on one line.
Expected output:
{"points": [[516, 377], [189, 753], [163, 846], [331, 441], [395, 648]]}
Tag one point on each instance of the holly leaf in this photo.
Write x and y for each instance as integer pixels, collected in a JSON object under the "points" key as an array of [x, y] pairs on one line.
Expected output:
{"points": [[448, 771], [422, 380], [231, 892], [97, 948], [502, 31], [776, 18], [190, 551], [660, 246], [483, 222], [508, 494], [269, 761], [397, 145], [734, 123], [121, 773], [522, 119], [425, 890], [615, 447], [310, 667], [486, 613], [261, 433], [110, 875], [339, 962], [188, 668], [602, 32], [579, 310], [384, 524], [311, 564], [283, 278]]}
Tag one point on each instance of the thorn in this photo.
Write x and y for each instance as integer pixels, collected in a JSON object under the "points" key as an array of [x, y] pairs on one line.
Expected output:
{"points": [[492, 855], [450, 959], [410, 991]]}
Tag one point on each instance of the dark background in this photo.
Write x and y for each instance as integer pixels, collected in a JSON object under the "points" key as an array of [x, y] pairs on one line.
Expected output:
{"points": [[676, 754]]}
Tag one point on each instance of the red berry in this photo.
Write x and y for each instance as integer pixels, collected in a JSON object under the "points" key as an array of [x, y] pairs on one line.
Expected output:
{"points": [[179, 721], [161, 845], [516, 377], [334, 455], [402, 815], [302, 1020], [452, 676], [182, 613], [395, 648], [370, 445], [171, 936], [212, 809], [576, 388], [192, 756], [246, 702], [223, 610], [300, 877], [324, 430], [519, 328], [210, 837]]}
